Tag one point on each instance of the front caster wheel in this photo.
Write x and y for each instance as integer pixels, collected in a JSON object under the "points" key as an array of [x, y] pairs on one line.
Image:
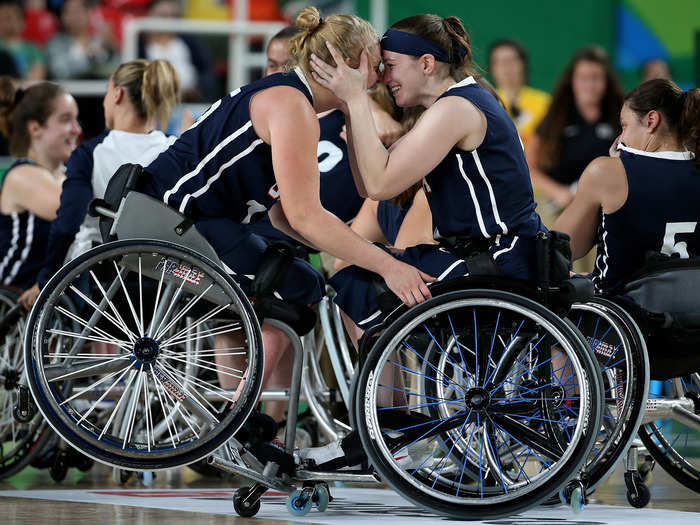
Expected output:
{"points": [[299, 503], [243, 505], [638, 493]]}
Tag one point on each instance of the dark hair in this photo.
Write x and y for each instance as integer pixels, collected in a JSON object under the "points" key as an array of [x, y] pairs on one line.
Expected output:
{"points": [[518, 48], [18, 107], [680, 110], [447, 33], [563, 105]]}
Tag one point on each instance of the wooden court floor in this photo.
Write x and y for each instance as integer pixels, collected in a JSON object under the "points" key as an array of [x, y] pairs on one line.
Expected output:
{"points": [[666, 494]]}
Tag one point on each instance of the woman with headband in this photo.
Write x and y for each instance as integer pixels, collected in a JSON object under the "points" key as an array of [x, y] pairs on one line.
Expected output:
{"points": [[465, 149]]}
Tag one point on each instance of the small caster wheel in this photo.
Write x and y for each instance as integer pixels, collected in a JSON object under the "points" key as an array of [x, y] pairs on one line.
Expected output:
{"points": [[58, 468], [321, 498], [245, 509], [298, 504], [638, 493], [83, 463], [577, 500]]}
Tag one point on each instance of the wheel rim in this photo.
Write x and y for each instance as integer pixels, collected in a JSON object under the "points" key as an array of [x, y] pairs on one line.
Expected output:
{"points": [[481, 440]]}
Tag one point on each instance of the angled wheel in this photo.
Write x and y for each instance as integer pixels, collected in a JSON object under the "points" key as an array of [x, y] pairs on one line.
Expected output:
{"points": [[141, 384], [478, 403], [619, 348]]}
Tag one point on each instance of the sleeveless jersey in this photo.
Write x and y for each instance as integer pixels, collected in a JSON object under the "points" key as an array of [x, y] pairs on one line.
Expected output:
{"points": [[390, 217], [661, 214], [88, 170], [486, 192], [219, 167], [23, 238]]}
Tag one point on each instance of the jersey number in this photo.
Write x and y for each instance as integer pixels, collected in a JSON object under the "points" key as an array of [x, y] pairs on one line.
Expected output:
{"points": [[333, 155], [670, 245]]}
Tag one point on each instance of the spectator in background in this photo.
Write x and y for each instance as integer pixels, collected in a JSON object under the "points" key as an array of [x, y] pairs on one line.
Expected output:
{"points": [[28, 58], [655, 68], [581, 124], [508, 65], [40, 23], [189, 56], [77, 52]]}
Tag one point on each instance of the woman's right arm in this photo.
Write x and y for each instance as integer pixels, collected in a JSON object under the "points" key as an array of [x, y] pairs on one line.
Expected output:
{"points": [[283, 117], [31, 188], [365, 224], [559, 193]]}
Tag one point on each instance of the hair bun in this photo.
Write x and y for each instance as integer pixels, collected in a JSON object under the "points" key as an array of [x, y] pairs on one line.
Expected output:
{"points": [[308, 18]]}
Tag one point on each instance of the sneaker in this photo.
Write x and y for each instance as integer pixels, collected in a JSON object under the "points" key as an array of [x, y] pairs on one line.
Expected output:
{"points": [[333, 457], [258, 435]]}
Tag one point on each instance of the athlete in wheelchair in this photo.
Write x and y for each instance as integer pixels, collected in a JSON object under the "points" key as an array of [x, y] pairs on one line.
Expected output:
{"points": [[641, 205], [480, 402]]}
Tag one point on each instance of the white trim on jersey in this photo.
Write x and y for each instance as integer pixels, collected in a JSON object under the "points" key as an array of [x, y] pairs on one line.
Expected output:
{"points": [[215, 177], [203, 162], [466, 82], [449, 269], [668, 155], [496, 215], [25, 251], [479, 217], [13, 243], [370, 318], [208, 112], [504, 250], [302, 77], [601, 259]]}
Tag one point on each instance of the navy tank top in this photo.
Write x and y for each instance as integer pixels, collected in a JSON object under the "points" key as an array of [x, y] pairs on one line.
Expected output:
{"points": [[660, 215], [219, 167], [486, 192], [23, 240]]}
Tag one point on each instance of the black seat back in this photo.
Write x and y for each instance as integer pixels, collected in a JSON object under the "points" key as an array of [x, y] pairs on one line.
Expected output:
{"points": [[125, 179]]}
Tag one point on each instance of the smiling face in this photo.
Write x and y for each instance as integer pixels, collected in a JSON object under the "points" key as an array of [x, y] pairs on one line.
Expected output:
{"points": [[404, 77], [58, 136]]}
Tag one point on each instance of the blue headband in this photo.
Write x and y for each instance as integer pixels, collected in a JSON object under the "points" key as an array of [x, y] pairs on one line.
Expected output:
{"points": [[415, 45]]}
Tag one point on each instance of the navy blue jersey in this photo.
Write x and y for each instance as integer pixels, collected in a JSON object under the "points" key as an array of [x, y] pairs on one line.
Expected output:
{"points": [[390, 217], [661, 214], [485, 192], [338, 191], [219, 167], [23, 237]]}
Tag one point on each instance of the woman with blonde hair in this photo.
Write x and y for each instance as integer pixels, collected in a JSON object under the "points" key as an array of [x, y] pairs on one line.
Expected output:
{"points": [[140, 94], [255, 151]]}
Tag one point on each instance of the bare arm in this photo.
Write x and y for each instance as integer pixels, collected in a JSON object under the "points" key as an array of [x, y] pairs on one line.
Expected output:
{"points": [[279, 221], [559, 193], [283, 117], [365, 224], [31, 188], [602, 187]]}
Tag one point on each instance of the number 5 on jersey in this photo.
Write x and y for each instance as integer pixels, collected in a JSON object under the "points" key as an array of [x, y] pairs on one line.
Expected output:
{"points": [[670, 245]]}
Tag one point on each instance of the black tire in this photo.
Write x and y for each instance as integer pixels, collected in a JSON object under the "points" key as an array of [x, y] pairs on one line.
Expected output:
{"points": [[475, 402], [184, 277], [617, 343], [240, 508]]}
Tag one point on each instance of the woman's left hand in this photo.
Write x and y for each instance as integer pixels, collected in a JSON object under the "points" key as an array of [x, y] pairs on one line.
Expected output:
{"points": [[345, 82], [28, 298]]}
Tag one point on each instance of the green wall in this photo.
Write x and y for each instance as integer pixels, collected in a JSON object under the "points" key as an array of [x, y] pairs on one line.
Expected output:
{"points": [[551, 30]]}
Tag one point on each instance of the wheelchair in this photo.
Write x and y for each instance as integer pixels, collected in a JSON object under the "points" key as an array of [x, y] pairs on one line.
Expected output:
{"points": [[477, 403], [650, 331]]}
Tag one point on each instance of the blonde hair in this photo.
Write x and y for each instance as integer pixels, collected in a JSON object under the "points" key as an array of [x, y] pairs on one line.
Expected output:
{"points": [[153, 87], [349, 34]]}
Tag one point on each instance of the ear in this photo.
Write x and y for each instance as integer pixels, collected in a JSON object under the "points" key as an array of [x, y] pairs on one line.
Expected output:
{"points": [[652, 120], [427, 62], [34, 129], [119, 94]]}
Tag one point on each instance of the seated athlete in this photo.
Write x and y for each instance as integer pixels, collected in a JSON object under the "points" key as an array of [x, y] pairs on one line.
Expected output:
{"points": [[138, 93], [42, 127], [256, 150], [645, 197], [464, 148]]}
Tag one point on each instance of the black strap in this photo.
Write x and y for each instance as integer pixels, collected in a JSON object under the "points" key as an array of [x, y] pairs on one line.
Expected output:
{"points": [[275, 263]]}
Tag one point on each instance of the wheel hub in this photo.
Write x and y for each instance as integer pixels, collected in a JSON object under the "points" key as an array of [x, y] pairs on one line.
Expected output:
{"points": [[477, 399], [146, 349]]}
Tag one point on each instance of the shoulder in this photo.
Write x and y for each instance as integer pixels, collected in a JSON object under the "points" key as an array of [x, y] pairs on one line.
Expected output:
{"points": [[283, 103], [605, 180], [88, 146], [25, 176]]}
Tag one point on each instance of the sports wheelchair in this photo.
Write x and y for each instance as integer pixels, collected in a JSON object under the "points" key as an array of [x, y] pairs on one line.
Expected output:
{"points": [[480, 402], [649, 331]]}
